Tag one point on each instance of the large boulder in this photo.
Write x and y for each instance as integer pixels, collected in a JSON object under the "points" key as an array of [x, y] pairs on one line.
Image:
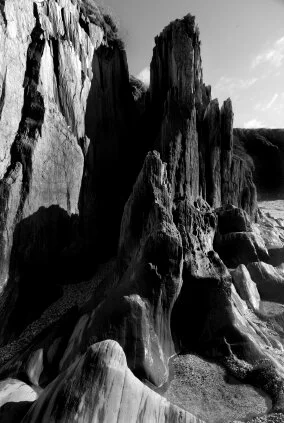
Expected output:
{"points": [[16, 397], [245, 286], [240, 248], [137, 310], [269, 281], [100, 387], [232, 219]]}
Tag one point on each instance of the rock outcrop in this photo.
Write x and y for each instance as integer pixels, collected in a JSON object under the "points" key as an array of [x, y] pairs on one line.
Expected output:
{"points": [[193, 135], [16, 398], [65, 113], [245, 286], [100, 387], [46, 52], [264, 148], [137, 311], [71, 199]]}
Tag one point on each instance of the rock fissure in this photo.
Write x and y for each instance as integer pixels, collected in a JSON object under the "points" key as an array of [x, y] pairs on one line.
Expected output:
{"points": [[2, 11]]}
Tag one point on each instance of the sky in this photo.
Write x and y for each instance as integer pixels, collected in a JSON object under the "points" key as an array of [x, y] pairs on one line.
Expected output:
{"points": [[242, 49]]}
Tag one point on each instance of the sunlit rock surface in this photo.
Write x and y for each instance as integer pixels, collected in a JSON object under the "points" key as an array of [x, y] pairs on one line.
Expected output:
{"points": [[127, 222], [245, 286], [100, 387], [16, 398]]}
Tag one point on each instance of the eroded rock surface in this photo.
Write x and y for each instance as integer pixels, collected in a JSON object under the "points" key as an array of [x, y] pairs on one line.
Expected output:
{"points": [[65, 177], [193, 135], [16, 398], [65, 107], [245, 286], [100, 387]]}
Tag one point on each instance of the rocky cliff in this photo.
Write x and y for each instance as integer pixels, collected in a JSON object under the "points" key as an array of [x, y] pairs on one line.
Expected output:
{"points": [[65, 108], [265, 148], [193, 135], [128, 229]]}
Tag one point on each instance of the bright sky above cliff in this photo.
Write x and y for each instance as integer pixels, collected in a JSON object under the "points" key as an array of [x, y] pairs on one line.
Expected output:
{"points": [[242, 49]]}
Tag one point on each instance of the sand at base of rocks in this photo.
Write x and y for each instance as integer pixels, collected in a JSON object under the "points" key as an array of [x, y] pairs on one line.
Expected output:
{"points": [[204, 389], [275, 208]]}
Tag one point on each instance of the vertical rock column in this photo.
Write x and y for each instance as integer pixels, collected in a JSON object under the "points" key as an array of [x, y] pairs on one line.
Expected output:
{"points": [[227, 120], [108, 174], [176, 89], [212, 139]]}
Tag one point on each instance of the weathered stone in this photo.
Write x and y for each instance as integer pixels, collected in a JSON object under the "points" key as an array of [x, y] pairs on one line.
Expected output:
{"points": [[193, 136], [15, 400], [240, 248], [66, 175], [269, 281], [100, 387], [232, 219], [137, 311], [245, 286], [265, 149], [65, 125], [212, 139], [46, 51]]}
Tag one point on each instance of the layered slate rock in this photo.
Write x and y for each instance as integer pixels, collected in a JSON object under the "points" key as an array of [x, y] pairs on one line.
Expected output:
{"points": [[193, 135], [43, 166], [64, 185], [100, 387], [137, 310], [245, 286], [265, 149], [65, 110], [110, 165]]}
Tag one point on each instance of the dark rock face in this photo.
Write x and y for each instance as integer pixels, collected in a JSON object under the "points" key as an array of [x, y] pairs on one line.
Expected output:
{"points": [[109, 120], [194, 137], [265, 148], [236, 241], [270, 281], [65, 177], [137, 312]]}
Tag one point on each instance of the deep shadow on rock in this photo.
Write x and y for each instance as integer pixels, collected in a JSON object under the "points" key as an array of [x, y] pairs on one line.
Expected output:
{"points": [[269, 281], [236, 240], [41, 260], [137, 310], [14, 412], [266, 148]]}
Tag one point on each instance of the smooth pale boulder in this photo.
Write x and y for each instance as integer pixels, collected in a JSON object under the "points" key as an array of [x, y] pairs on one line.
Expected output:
{"points": [[16, 397], [245, 286], [100, 387]]}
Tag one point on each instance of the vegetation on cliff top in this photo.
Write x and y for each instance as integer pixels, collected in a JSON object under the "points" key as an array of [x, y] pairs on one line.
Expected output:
{"points": [[98, 15]]}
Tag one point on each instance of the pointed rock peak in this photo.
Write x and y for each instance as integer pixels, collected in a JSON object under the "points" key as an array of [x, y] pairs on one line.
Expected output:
{"points": [[176, 66], [227, 105], [186, 24]]}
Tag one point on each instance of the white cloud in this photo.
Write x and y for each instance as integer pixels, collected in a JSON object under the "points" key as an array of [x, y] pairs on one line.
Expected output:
{"points": [[264, 107], [273, 56], [232, 86], [253, 123], [272, 101], [144, 76]]}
